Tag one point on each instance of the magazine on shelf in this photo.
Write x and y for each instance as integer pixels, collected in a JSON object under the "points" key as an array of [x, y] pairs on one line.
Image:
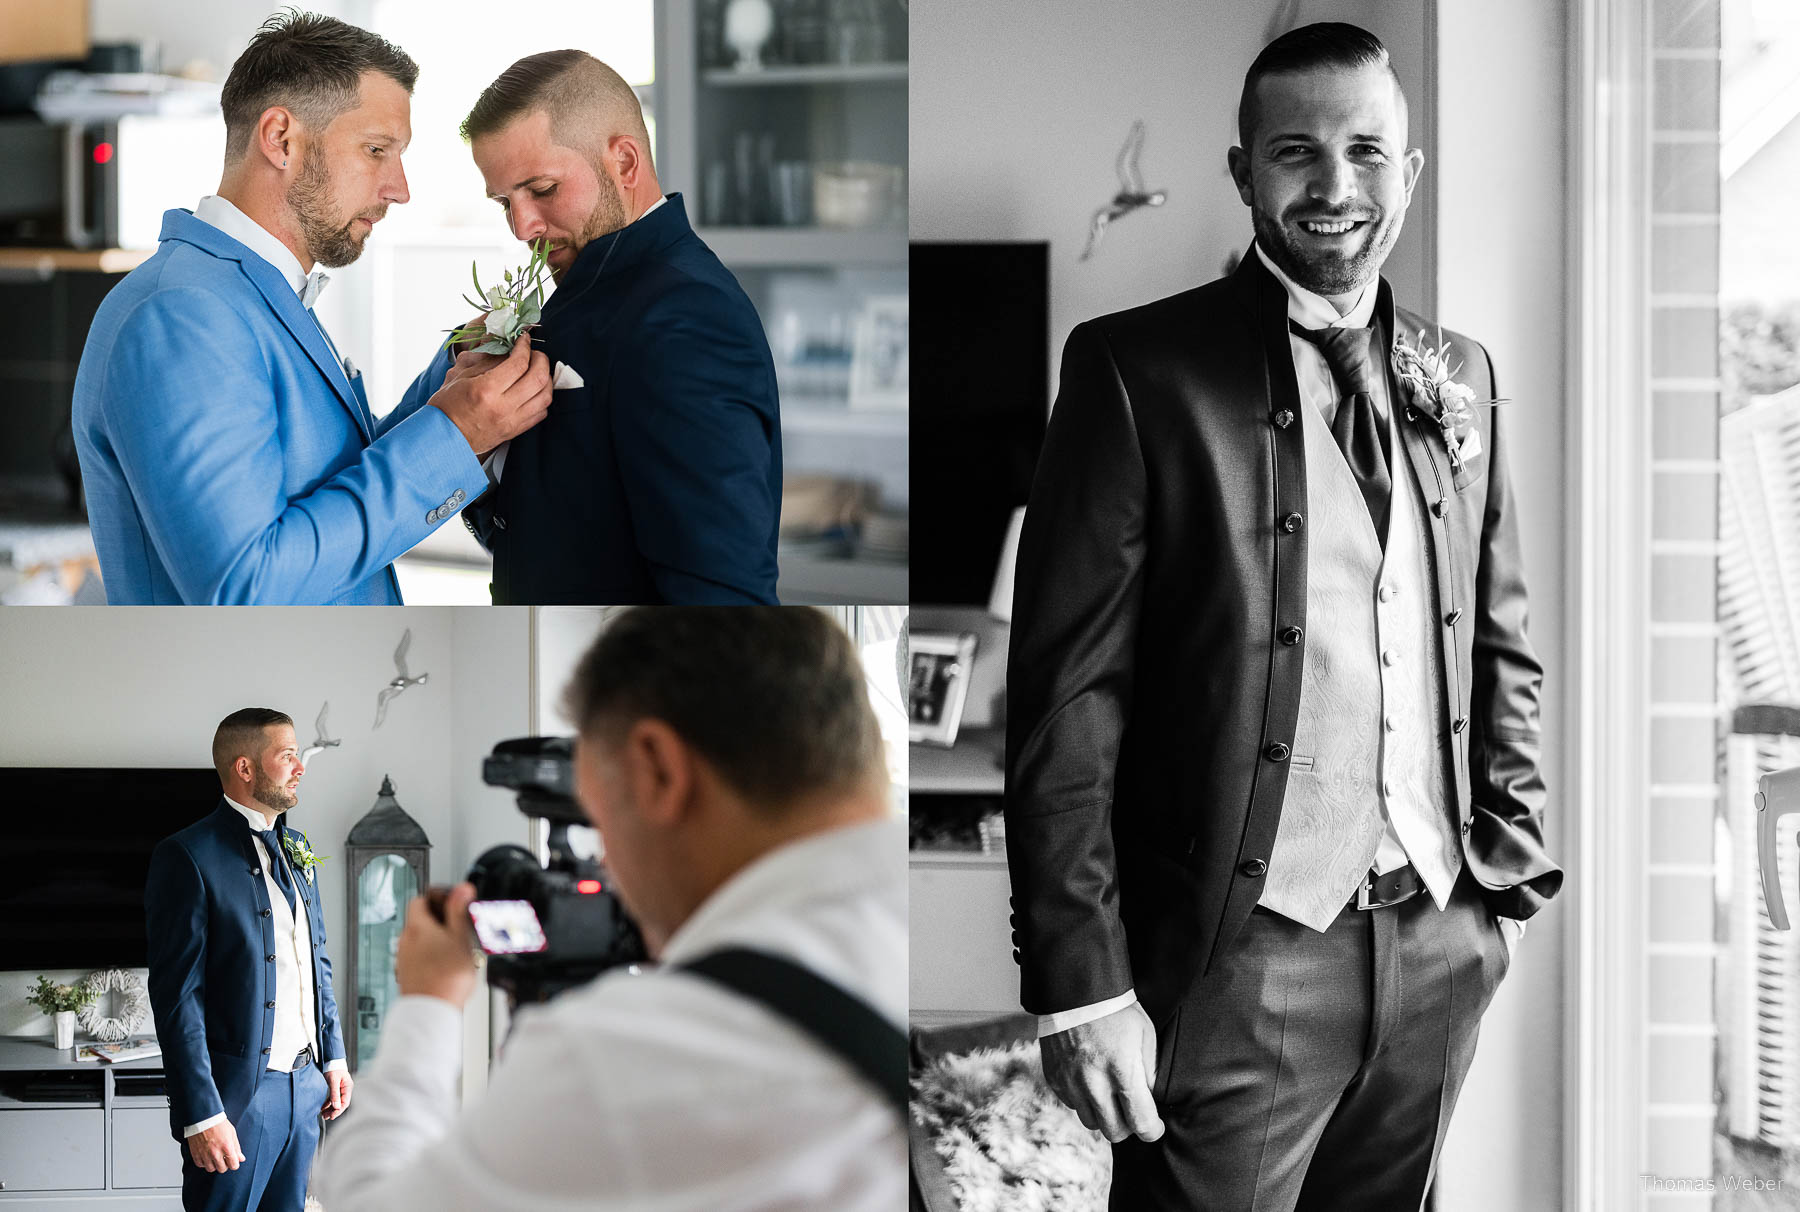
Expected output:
{"points": [[126, 1050]]}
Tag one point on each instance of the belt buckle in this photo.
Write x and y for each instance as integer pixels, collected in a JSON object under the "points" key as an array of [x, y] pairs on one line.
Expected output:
{"points": [[1365, 893]]}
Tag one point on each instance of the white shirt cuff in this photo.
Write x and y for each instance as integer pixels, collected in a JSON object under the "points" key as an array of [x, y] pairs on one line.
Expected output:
{"points": [[203, 1125], [1062, 1020], [332, 1066]]}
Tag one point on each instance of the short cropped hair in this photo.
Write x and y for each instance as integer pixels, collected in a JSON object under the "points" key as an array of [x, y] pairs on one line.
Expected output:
{"points": [[1322, 44], [311, 64], [571, 86], [241, 734], [773, 697]]}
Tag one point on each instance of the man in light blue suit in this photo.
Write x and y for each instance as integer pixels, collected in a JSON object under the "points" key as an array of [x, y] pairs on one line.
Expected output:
{"points": [[227, 449]]}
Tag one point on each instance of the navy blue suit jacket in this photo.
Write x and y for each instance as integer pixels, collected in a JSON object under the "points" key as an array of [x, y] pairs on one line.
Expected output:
{"points": [[659, 479], [212, 966]]}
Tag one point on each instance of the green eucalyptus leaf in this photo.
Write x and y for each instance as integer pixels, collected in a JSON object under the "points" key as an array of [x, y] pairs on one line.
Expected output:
{"points": [[494, 345]]}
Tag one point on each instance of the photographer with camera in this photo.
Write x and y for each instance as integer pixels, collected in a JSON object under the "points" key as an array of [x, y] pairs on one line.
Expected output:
{"points": [[732, 763]]}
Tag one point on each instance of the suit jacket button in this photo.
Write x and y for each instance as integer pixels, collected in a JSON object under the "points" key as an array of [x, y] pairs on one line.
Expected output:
{"points": [[1440, 507], [1291, 523], [268, 959], [1290, 635], [256, 871], [1278, 752], [265, 1051], [1253, 868], [1465, 827], [1412, 414], [265, 913], [268, 1005], [1284, 418], [1459, 724], [1450, 620]]}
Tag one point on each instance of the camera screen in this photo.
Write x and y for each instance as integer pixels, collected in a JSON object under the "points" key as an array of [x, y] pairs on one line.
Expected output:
{"points": [[507, 927]]}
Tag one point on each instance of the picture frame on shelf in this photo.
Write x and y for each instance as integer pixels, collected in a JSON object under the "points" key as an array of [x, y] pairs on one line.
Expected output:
{"points": [[941, 663], [880, 355]]}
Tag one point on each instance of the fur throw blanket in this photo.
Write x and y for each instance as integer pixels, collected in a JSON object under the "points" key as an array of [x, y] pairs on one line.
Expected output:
{"points": [[1007, 1143]]}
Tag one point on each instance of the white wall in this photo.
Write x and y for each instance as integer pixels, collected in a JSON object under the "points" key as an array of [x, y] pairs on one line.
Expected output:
{"points": [[146, 687], [1018, 109], [1501, 258]]}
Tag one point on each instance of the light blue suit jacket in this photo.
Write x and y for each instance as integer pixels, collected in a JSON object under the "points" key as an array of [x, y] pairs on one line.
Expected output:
{"points": [[226, 457]]}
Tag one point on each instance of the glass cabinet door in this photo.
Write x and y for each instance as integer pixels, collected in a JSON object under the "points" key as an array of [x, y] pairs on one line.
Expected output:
{"points": [[383, 890]]}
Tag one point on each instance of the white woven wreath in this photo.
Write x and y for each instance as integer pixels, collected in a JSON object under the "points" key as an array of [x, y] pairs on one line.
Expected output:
{"points": [[120, 1006]]}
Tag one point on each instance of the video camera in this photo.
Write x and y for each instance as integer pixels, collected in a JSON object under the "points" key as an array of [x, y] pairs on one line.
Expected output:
{"points": [[546, 928]]}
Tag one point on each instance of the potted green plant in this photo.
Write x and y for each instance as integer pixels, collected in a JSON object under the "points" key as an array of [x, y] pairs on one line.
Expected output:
{"points": [[60, 1002]]}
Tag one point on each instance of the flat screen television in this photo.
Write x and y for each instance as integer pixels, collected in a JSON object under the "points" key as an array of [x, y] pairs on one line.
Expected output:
{"points": [[77, 843], [980, 399]]}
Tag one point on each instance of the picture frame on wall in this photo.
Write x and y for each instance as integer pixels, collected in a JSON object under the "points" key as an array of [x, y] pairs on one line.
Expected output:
{"points": [[941, 663]]}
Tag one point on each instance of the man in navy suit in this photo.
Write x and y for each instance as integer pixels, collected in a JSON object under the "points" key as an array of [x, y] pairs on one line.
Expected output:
{"points": [[240, 983], [656, 476]]}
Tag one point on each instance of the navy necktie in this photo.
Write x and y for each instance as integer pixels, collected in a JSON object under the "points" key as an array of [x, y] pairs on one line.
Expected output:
{"points": [[1356, 427], [271, 841]]}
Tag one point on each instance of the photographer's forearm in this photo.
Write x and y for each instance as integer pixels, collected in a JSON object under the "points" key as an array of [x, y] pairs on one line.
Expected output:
{"points": [[405, 1102]]}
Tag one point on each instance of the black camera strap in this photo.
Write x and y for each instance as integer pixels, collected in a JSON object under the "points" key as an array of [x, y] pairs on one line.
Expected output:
{"points": [[842, 1022]]}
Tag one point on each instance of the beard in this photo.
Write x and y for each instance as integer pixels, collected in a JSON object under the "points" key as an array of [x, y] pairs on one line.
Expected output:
{"points": [[309, 197], [272, 795], [607, 217], [1320, 271]]}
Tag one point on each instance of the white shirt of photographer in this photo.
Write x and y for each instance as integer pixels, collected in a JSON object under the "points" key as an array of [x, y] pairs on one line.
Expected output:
{"points": [[661, 1091]]}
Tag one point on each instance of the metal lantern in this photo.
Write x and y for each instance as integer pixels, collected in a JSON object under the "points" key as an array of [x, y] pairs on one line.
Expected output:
{"points": [[389, 860]]}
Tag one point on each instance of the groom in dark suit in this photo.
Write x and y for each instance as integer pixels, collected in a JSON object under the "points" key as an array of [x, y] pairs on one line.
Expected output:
{"points": [[1273, 800], [240, 984], [657, 475]]}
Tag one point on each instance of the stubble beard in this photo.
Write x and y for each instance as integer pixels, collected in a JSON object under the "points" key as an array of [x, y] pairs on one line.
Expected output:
{"points": [[309, 197], [1325, 276], [272, 795], [607, 217]]}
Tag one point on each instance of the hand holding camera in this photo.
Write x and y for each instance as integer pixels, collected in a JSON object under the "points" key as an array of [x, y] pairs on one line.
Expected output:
{"points": [[436, 953]]}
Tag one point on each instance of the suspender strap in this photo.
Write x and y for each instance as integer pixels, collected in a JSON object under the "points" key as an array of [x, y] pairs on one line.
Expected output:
{"points": [[843, 1023]]}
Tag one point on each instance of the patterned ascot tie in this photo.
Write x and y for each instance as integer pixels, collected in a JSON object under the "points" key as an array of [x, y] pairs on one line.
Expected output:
{"points": [[271, 840], [1357, 428]]}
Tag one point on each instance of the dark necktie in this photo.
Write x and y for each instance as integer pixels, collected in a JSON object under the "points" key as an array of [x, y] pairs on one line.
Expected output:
{"points": [[278, 863], [1356, 427]]}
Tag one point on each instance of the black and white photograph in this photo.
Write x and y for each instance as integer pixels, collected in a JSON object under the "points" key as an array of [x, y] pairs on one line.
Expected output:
{"points": [[1360, 437]]}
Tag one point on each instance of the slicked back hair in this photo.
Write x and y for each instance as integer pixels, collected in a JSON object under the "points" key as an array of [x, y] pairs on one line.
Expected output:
{"points": [[773, 697], [1322, 44], [311, 64], [571, 86], [242, 734]]}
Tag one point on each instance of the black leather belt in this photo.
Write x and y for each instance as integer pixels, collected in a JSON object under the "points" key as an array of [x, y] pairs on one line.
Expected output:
{"points": [[1380, 891]]}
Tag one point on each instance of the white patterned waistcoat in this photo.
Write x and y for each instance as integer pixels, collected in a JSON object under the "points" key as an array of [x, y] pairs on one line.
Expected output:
{"points": [[1371, 726]]}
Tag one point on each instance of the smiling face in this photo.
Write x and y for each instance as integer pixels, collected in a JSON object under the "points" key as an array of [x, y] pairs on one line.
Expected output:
{"points": [[350, 173], [1327, 174], [548, 191], [277, 771]]}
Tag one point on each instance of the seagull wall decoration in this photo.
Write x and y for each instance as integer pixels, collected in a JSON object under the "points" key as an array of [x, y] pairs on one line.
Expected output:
{"points": [[1131, 196], [400, 683], [323, 740]]}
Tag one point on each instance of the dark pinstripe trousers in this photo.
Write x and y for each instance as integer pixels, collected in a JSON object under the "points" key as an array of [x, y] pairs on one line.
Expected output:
{"points": [[1317, 1071]]}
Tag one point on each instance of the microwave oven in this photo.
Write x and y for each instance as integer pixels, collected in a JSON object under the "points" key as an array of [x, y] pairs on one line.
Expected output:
{"points": [[103, 184]]}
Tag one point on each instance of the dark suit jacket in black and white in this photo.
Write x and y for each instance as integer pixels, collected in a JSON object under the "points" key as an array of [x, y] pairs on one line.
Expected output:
{"points": [[1158, 632]]}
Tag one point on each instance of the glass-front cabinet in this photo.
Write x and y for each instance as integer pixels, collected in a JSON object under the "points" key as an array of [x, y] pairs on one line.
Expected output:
{"points": [[389, 860], [783, 124]]}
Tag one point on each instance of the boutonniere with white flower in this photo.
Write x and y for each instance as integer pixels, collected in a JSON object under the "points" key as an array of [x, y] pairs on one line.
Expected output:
{"points": [[1429, 383], [512, 307], [301, 857]]}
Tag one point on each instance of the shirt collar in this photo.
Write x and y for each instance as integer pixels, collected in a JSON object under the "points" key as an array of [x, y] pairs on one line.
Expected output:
{"points": [[257, 821], [651, 209], [225, 216], [1311, 310]]}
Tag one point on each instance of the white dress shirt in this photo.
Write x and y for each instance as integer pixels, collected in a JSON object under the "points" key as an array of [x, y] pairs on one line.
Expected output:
{"points": [[659, 1091], [1319, 389], [296, 1026]]}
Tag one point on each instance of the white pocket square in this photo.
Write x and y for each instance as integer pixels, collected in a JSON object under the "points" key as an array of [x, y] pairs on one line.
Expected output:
{"points": [[564, 376], [350, 371]]}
